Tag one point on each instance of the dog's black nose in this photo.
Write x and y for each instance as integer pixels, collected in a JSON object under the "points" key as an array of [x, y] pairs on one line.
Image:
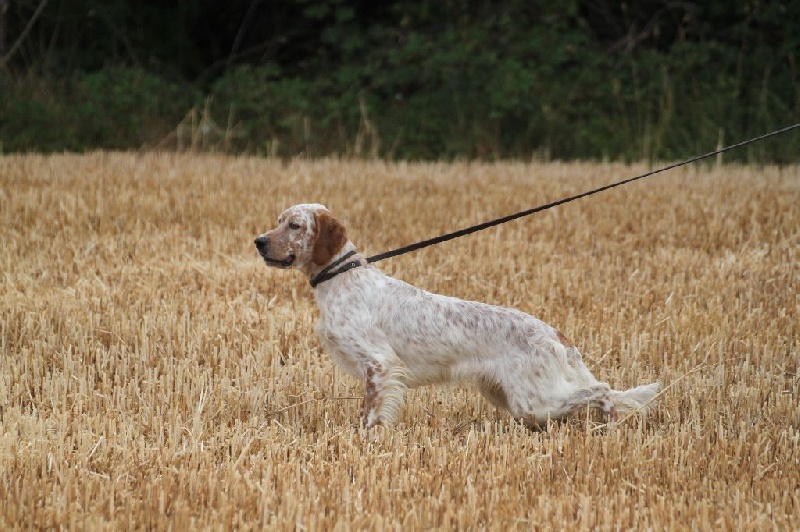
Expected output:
{"points": [[261, 242]]}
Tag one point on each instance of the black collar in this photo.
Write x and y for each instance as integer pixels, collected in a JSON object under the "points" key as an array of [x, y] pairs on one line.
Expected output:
{"points": [[327, 273]]}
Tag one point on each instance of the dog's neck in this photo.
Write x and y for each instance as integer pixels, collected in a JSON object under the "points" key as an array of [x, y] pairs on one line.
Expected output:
{"points": [[345, 259]]}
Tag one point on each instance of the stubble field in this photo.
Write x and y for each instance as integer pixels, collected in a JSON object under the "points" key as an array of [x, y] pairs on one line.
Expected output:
{"points": [[155, 374]]}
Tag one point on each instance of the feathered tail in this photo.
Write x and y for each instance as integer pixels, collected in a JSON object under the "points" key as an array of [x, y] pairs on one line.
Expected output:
{"points": [[635, 398]]}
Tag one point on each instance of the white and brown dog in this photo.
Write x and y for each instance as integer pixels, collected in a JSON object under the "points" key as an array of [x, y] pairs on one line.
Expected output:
{"points": [[393, 336]]}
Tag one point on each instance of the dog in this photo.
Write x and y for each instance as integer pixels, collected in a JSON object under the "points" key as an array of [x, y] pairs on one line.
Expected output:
{"points": [[394, 336]]}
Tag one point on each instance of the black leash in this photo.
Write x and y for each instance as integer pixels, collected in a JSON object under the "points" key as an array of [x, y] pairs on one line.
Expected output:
{"points": [[328, 272], [485, 225]]}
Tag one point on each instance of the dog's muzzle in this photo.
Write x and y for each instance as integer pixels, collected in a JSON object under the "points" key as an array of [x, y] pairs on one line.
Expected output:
{"points": [[262, 245]]}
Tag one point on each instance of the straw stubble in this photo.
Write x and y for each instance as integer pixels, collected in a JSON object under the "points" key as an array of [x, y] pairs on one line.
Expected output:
{"points": [[155, 374]]}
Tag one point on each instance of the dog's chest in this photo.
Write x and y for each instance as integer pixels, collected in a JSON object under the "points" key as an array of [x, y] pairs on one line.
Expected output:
{"points": [[332, 344]]}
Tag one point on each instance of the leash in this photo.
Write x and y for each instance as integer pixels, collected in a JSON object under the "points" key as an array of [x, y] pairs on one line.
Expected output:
{"points": [[328, 272], [485, 225]]}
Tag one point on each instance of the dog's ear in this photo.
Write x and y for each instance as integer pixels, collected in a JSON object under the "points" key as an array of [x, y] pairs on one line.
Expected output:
{"points": [[330, 238]]}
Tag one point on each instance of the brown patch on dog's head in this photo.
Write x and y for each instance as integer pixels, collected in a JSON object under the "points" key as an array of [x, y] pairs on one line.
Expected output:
{"points": [[329, 239]]}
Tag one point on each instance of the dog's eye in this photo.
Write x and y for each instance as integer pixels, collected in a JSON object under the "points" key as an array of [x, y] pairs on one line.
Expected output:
{"points": [[294, 225]]}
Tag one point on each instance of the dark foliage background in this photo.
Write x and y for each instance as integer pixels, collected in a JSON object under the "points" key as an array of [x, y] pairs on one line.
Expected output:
{"points": [[584, 79]]}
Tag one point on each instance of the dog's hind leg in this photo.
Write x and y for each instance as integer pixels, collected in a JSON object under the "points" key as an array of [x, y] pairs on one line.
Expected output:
{"points": [[494, 392]]}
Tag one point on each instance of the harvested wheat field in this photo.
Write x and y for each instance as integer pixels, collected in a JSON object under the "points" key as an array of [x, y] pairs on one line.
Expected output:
{"points": [[155, 374]]}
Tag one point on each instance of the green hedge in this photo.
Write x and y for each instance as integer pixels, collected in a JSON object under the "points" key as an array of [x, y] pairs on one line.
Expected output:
{"points": [[115, 108], [422, 80]]}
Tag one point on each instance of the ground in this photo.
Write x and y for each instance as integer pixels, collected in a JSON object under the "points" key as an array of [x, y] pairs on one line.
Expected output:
{"points": [[155, 373]]}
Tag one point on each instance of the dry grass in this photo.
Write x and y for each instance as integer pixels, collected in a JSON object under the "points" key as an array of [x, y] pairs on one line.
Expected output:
{"points": [[155, 374]]}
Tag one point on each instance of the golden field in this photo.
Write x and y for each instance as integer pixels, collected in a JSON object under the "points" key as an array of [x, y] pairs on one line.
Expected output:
{"points": [[155, 374]]}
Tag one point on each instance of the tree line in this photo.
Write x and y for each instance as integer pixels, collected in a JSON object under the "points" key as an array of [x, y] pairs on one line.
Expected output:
{"points": [[587, 79]]}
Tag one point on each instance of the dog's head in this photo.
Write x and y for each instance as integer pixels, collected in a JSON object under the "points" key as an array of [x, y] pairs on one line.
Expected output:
{"points": [[307, 238]]}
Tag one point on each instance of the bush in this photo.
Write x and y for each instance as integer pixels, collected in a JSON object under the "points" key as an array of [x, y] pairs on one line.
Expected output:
{"points": [[118, 108], [262, 111], [123, 107], [409, 80]]}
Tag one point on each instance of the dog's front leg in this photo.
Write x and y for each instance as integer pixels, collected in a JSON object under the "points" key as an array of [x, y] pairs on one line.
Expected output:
{"points": [[384, 394], [371, 405]]}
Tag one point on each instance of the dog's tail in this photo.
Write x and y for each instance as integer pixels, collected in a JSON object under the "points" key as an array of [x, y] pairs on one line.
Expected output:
{"points": [[638, 398]]}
